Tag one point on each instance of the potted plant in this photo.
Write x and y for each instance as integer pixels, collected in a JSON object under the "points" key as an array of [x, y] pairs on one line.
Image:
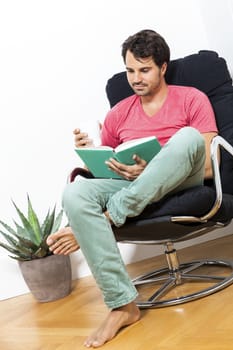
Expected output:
{"points": [[48, 276]]}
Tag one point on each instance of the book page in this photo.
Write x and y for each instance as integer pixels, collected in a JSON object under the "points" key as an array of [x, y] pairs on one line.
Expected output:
{"points": [[98, 148], [134, 142]]}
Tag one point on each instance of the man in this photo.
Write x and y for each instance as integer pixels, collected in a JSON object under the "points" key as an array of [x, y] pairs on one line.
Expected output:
{"points": [[183, 121]]}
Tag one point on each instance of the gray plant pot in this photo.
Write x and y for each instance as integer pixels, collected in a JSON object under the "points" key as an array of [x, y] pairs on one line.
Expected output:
{"points": [[48, 278]]}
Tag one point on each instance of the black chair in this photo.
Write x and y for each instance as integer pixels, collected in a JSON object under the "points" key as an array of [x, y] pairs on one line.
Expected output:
{"points": [[190, 213]]}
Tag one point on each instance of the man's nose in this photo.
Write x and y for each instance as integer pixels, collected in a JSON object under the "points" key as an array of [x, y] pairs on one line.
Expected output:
{"points": [[137, 77]]}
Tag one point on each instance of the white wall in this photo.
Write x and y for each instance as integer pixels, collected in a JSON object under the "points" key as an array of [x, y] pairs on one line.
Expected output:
{"points": [[218, 19], [55, 59]]}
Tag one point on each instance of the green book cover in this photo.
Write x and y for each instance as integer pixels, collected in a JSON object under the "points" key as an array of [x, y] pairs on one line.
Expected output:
{"points": [[94, 158]]}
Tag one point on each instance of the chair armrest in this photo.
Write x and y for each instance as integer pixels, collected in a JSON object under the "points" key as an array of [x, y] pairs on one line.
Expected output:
{"points": [[79, 171], [217, 142]]}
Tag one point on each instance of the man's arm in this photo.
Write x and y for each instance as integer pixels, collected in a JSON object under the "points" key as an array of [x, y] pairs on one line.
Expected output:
{"points": [[208, 166]]}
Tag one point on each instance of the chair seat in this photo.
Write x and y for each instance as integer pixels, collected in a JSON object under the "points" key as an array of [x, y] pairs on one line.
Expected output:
{"points": [[196, 201]]}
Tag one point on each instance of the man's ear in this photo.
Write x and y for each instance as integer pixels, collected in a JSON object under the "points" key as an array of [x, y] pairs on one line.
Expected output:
{"points": [[164, 68]]}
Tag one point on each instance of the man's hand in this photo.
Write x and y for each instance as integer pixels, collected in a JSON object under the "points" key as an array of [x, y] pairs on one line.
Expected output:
{"points": [[81, 139], [128, 172], [62, 242]]}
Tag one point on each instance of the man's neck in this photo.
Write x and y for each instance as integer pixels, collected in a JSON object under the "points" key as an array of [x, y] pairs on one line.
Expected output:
{"points": [[151, 104]]}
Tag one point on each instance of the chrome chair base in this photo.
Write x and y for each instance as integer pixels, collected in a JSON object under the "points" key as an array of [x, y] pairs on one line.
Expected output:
{"points": [[213, 275]]}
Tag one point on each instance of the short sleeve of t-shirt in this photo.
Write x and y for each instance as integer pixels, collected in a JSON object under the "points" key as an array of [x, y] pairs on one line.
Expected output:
{"points": [[200, 112]]}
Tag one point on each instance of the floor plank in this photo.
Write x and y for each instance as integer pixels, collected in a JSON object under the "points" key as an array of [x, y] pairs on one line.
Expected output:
{"points": [[203, 324]]}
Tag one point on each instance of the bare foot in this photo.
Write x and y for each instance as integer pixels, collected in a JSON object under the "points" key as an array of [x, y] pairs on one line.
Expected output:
{"points": [[117, 318], [62, 242]]}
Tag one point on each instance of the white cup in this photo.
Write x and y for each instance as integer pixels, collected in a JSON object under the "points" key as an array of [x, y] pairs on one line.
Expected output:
{"points": [[92, 128]]}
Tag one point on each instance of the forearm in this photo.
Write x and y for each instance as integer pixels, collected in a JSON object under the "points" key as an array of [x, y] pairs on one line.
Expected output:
{"points": [[208, 173], [208, 167]]}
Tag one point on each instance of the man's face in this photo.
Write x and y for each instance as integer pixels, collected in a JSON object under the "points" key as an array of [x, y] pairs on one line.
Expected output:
{"points": [[143, 75]]}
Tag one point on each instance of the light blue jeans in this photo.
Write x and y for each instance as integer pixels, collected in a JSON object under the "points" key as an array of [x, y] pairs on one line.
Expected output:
{"points": [[179, 165]]}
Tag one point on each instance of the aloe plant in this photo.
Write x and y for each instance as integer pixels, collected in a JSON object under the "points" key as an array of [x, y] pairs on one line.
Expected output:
{"points": [[27, 240]]}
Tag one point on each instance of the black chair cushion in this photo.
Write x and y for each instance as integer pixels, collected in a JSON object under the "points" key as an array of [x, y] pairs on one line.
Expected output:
{"points": [[196, 201], [155, 223]]}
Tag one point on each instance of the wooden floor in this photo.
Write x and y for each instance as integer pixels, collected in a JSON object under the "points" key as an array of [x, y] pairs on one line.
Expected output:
{"points": [[206, 323]]}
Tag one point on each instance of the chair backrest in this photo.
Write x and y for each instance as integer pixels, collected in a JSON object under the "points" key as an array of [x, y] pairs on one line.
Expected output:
{"points": [[207, 72]]}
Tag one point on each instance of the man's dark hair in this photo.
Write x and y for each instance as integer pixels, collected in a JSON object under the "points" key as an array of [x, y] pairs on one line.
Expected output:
{"points": [[147, 43]]}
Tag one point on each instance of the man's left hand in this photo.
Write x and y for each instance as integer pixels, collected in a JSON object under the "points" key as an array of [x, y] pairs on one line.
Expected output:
{"points": [[62, 242], [128, 172]]}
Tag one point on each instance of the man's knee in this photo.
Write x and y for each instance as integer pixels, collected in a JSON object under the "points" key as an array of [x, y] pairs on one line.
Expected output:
{"points": [[192, 135], [74, 196], [189, 137]]}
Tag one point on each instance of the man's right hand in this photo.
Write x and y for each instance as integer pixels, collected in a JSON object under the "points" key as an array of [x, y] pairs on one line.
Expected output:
{"points": [[81, 139]]}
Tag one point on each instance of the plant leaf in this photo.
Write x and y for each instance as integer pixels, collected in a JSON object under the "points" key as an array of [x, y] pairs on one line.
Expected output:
{"points": [[45, 221], [27, 243], [9, 238], [22, 241], [9, 248], [8, 228], [20, 258], [27, 225], [48, 224], [34, 222], [57, 222], [28, 240], [21, 231], [45, 246], [17, 252], [20, 235], [41, 252], [22, 246]]}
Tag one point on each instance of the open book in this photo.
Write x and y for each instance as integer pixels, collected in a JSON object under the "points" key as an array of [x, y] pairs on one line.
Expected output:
{"points": [[94, 158]]}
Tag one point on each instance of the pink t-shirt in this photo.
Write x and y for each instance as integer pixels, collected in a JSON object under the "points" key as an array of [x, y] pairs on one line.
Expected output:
{"points": [[184, 106]]}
